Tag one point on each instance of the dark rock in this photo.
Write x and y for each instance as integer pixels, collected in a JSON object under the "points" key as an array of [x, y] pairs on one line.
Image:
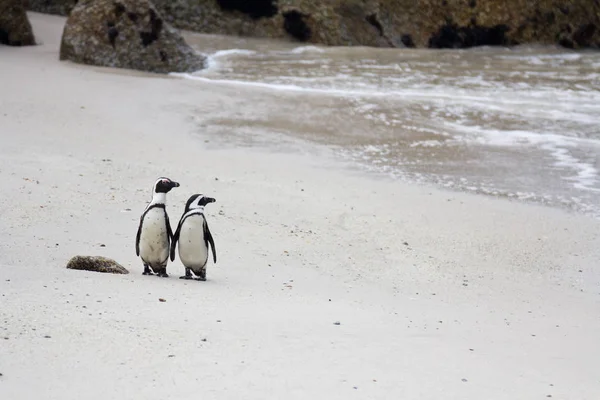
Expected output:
{"points": [[295, 26], [112, 35], [372, 19], [126, 34], [255, 9], [381, 23], [56, 7], [96, 264], [454, 37], [15, 29], [566, 42], [584, 34], [406, 40]]}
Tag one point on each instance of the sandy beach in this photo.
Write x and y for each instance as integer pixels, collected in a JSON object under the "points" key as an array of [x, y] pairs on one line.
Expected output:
{"points": [[330, 283]]}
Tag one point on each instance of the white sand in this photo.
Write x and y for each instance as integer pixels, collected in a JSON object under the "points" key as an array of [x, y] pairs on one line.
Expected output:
{"points": [[302, 243]]}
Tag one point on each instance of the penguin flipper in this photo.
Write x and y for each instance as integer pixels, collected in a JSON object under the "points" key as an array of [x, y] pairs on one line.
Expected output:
{"points": [[137, 237], [169, 231], [175, 239], [208, 238]]}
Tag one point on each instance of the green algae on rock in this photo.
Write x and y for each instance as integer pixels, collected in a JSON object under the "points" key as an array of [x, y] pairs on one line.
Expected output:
{"points": [[126, 34]]}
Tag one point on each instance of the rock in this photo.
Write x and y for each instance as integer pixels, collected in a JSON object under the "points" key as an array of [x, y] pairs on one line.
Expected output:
{"points": [[468, 23], [15, 29], [57, 7], [386, 23], [126, 34], [96, 264]]}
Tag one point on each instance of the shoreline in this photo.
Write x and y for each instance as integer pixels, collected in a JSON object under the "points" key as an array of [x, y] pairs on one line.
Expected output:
{"points": [[488, 298], [547, 166]]}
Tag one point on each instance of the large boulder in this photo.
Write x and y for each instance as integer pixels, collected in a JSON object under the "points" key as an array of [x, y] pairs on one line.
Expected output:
{"points": [[389, 23], [125, 34], [15, 29], [96, 264]]}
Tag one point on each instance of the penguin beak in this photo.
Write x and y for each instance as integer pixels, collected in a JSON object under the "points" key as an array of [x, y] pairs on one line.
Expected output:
{"points": [[210, 200], [175, 184]]}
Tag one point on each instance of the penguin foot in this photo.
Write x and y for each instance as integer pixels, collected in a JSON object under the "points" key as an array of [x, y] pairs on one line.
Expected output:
{"points": [[202, 278], [147, 270], [186, 277], [163, 275]]}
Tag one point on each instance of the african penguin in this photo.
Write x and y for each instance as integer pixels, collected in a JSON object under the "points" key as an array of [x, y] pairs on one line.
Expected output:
{"points": [[194, 237], [154, 232]]}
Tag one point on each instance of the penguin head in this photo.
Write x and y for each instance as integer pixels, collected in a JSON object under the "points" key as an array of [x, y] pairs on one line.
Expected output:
{"points": [[198, 201], [164, 185]]}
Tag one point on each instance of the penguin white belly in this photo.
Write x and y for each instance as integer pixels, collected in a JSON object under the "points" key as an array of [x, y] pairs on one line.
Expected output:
{"points": [[154, 239], [193, 251]]}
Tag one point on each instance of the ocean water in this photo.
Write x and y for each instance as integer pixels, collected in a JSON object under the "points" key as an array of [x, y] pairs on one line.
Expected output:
{"points": [[521, 123]]}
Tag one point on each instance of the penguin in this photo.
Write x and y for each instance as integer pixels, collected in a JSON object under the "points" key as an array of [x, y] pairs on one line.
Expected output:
{"points": [[194, 237], [154, 232]]}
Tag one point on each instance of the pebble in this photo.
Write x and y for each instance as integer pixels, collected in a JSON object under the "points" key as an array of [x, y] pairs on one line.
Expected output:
{"points": [[337, 323], [162, 300], [47, 337]]}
